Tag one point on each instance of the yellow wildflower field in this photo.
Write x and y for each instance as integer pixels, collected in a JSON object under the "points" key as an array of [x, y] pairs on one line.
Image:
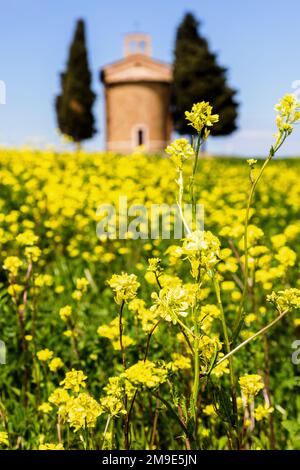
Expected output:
{"points": [[148, 343]]}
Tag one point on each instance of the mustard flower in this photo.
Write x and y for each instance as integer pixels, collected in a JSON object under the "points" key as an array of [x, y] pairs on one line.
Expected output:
{"points": [[125, 287], [201, 117], [170, 303], [33, 253], [59, 396], [288, 110], [251, 162], [65, 312], [202, 249], [81, 411], [251, 385], [55, 364], [70, 333], [12, 264], [82, 284], [45, 408], [4, 438], [15, 289], [263, 411], [44, 355], [74, 380], [51, 446], [154, 265], [77, 295], [113, 405], [180, 151], [285, 299], [286, 256], [179, 362], [27, 238], [146, 373]]}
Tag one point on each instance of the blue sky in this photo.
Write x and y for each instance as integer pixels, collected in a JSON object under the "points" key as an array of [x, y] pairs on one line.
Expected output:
{"points": [[257, 40]]}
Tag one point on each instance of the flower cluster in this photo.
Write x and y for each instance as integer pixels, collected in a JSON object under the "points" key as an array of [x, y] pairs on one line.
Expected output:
{"points": [[202, 250], [4, 438], [74, 380], [44, 355], [180, 150], [170, 303], [288, 110], [251, 385], [81, 411], [125, 287], [285, 299], [146, 373], [12, 264], [113, 400], [51, 446], [65, 312], [262, 412], [201, 117]]}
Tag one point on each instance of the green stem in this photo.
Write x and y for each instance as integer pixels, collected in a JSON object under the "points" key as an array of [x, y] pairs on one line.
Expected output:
{"points": [[192, 195], [168, 406], [260, 332], [228, 350], [272, 153], [121, 335], [196, 369]]}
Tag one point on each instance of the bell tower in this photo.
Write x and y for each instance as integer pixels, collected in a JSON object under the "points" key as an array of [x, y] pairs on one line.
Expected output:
{"points": [[137, 43]]}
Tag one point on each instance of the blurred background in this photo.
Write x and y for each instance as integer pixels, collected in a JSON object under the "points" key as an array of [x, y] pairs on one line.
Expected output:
{"points": [[257, 42]]}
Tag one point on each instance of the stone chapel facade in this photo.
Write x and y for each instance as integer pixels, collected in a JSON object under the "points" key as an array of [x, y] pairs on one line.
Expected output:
{"points": [[137, 99]]}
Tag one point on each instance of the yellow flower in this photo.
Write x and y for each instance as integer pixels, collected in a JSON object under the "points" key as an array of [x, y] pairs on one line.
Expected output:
{"points": [[250, 385], [59, 396], [179, 151], [202, 250], [81, 411], [262, 411], [77, 294], [28, 338], [59, 289], [32, 253], [15, 289], [27, 238], [12, 264], [286, 256], [55, 363], [50, 446], [201, 117], [44, 355], [170, 303], [209, 410], [70, 333], [179, 362], [145, 373], [81, 284], [74, 380], [288, 114], [4, 438], [125, 287], [45, 408], [65, 312], [285, 299]]}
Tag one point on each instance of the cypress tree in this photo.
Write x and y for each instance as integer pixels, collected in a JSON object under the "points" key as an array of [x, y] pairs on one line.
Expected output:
{"points": [[74, 105], [198, 77]]}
